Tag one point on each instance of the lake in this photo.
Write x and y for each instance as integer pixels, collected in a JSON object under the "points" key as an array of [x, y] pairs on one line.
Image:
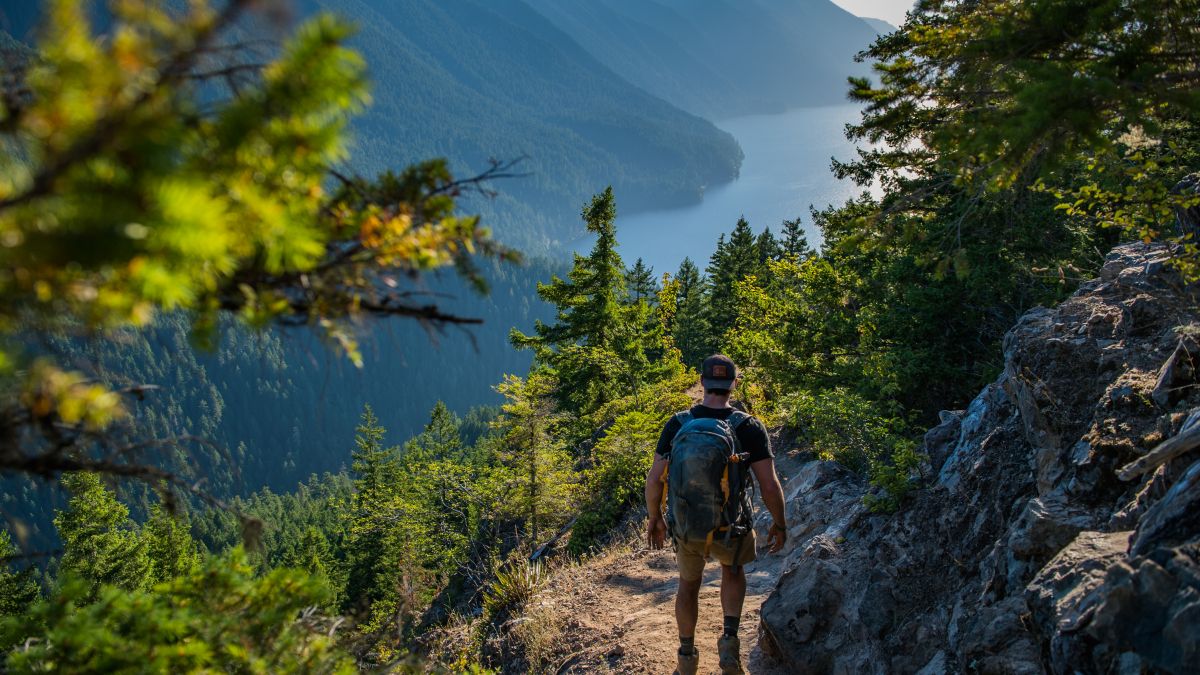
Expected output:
{"points": [[786, 170]]}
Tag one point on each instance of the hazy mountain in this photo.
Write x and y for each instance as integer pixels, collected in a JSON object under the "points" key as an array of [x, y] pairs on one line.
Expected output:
{"points": [[476, 79], [882, 27], [472, 80], [721, 58]]}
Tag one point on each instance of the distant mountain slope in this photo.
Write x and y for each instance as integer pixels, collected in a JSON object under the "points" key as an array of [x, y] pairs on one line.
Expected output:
{"points": [[472, 80], [475, 79], [882, 27], [721, 58]]}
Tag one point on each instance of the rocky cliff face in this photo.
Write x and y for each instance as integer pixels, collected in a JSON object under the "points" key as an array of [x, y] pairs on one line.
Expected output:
{"points": [[1033, 546]]}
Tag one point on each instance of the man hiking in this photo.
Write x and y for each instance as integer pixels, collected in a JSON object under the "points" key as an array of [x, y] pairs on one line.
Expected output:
{"points": [[703, 462]]}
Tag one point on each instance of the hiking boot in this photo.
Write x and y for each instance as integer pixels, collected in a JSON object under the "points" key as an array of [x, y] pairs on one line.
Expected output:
{"points": [[688, 663], [729, 649]]}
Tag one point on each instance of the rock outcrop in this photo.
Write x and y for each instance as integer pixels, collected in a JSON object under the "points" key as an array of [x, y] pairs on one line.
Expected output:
{"points": [[1058, 525]]}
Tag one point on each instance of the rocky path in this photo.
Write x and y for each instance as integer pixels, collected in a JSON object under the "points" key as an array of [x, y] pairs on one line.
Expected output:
{"points": [[622, 615], [620, 609]]}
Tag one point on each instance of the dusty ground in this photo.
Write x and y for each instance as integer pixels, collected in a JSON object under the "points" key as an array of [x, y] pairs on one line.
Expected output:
{"points": [[618, 609], [623, 617]]}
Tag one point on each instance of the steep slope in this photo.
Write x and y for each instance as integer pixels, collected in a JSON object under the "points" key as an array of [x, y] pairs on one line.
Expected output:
{"points": [[882, 27], [1029, 549], [471, 80], [721, 58]]}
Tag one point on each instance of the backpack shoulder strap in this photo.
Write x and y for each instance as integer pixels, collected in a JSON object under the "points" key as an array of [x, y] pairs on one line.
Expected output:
{"points": [[738, 418]]}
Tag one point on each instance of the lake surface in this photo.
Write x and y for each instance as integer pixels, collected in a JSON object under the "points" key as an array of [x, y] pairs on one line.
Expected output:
{"points": [[786, 170]]}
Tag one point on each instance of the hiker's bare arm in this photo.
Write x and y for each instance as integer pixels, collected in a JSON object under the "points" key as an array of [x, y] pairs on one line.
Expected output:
{"points": [[656, 528], [772, 496]]}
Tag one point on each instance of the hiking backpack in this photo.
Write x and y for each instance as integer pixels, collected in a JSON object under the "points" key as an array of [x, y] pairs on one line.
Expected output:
{"points": [[707, 480]]}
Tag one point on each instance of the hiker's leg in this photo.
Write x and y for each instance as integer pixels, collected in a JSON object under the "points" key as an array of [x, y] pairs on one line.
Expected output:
{"points": [[687, 606], [733, 589]]}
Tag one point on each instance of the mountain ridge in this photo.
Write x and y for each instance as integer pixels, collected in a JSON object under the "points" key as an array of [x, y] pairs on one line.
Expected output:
{"points": [[771, 55]]}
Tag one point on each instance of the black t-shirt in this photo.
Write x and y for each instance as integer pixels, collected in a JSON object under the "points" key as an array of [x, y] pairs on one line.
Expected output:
{"points": [[752, 434]]}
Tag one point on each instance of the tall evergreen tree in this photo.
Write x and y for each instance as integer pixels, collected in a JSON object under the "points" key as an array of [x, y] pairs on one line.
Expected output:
{"points": [[768, 249], [692, 334], [370, 559], [795, 242], [641, 282], [733, 261], [437, 492], [100, 544], [173, 553], [18, 588], [597, 347], [439, 440], [540, 467]]}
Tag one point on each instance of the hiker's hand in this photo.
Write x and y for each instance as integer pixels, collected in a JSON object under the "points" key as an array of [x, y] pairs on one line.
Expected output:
{"points": [[656, 533], [776, 538]]}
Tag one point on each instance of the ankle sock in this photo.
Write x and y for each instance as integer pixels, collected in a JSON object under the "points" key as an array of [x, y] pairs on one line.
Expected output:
{"points": [[731, 625], [687, 645]]}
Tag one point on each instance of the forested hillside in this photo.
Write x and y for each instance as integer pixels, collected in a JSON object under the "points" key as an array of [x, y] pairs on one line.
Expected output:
{"points": [[269, 409], [721, 58], [475, 80]]}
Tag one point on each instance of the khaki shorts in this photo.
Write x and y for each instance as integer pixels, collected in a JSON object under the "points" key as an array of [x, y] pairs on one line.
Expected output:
{"points": [[690, 556]]}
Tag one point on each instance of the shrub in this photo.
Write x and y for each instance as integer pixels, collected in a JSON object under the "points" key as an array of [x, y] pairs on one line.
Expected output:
{"points": [[617, 478], [861, 435]]}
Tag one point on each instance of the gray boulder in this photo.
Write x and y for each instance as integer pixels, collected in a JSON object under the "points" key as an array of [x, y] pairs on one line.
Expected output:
{"points": [[1014, 556]]}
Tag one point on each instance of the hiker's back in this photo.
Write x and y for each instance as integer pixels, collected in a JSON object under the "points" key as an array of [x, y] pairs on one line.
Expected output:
{"points": [[706, 479]]}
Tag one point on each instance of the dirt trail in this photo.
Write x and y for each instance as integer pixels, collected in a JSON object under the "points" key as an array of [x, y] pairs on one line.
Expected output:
{"points": [[624, 621], [621, 617]]}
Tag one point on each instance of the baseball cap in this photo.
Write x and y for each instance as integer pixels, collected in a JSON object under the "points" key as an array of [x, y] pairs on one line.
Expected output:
{"points": [[718, 372]]}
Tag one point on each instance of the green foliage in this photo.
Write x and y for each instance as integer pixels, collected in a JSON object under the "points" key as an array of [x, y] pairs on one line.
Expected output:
{"points": [[540, 484], [1094, 102], [169, 544], [846, 427], [894, 477], [617, 477], [219, 618], [733, 261], [602, 347], [371, 544], [861, 434], [18, 587], [691, 331], [640, 282], [133, 186], [101, 546]]}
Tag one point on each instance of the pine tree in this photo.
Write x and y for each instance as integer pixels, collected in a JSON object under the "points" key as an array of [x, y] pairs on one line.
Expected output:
{"points": [[692, 334], [733, 261], [768, 249], [438, 493], [100, 543], [440, 439], [371, 561], [173, 553], [597, 347], [540, 468], [795, 242], [18, 588], [641, 282]]}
